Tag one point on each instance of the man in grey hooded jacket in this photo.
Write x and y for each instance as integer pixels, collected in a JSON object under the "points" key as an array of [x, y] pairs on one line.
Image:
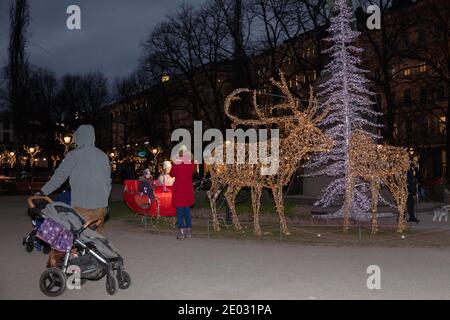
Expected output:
{"points": [[89, 173]]}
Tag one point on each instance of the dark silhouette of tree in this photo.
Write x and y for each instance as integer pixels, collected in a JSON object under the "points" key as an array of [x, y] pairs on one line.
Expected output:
{"points": [[17, 69], [384, 48]]}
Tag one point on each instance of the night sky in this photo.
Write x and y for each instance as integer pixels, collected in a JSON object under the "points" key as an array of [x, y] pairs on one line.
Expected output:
{"points": [[109, 40]]}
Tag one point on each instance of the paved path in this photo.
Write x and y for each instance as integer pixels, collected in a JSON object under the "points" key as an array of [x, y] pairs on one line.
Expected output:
{"points": [[163, 268]]}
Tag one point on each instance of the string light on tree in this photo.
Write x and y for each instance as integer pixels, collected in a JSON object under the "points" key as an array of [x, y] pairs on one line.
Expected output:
{"points": [[8, 158], [55, 160], [66, 141], [32, 152]]}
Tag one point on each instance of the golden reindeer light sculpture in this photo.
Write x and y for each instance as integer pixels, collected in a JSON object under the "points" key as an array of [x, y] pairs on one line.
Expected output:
{"points": [[302, 137], [377, 164]]}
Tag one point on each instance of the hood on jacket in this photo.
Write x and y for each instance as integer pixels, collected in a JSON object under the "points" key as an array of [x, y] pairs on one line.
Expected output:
{"points": [[84, 136]]}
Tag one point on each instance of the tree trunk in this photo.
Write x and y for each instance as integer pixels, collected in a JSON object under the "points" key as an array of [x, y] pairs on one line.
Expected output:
{"points": [[447, 144]]}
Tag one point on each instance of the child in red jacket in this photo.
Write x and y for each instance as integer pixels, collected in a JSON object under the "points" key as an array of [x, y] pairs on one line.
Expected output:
{"points": [[183, 192]]}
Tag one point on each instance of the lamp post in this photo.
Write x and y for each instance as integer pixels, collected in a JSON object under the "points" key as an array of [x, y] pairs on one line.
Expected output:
{"points": [[32, 152], [67, 141], [155, 152], [11, 158], [113, 155]]}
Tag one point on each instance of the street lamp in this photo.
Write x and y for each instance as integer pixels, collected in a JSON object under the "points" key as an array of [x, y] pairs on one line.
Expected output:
{"points": [[66, 141], [11, 159], [156, 152], [113, 155], [32, 152]]}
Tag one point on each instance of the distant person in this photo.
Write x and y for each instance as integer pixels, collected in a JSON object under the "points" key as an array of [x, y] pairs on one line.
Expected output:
{"points": [[146, 184], [165, 179], [130, 174], [183, 192], [419, 181], [89, 176], [412, 193]]}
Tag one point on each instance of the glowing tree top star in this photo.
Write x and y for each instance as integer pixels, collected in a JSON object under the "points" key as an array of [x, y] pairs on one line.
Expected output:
{"points": [[344, 92]]}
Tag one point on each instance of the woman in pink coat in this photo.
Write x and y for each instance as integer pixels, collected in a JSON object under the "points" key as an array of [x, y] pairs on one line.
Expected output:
{"points": [[183, 193]]}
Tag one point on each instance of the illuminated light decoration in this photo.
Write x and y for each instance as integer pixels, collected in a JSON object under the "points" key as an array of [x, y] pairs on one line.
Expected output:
{"points": [[9, 158], [66, 141], [155, 152], [165, 78], [377, 164], [32, 152], [351, 108], [302, 137], [55, 159]]}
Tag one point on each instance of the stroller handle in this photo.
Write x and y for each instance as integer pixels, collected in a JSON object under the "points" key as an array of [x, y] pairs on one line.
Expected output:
{"points": [[34, 198]]}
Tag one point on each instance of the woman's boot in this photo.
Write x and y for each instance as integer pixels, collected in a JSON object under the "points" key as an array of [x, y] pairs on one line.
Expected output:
{"points": [[188, 233], [180, 234]]}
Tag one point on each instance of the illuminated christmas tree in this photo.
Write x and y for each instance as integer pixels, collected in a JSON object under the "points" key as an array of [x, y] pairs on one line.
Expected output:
{"points": [[344, 91]]}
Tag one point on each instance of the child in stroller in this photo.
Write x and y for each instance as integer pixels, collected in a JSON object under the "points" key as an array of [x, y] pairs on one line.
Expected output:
{"points": [[66, 231]]}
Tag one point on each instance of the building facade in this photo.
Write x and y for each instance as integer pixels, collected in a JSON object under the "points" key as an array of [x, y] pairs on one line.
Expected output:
{"points": [[6, 131]]}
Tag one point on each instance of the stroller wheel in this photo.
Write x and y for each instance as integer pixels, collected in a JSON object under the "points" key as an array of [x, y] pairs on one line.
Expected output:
{"points": [[124, 280], [29, 246], [111, 285], [53, 282]]}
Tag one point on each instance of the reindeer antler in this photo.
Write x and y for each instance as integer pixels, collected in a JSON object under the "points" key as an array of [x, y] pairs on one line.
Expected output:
{"points": [[284, 88], [309, 115], [311, 110], [234, 96]]}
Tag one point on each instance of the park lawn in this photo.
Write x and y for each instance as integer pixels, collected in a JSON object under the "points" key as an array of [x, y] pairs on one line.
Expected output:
{"points": [[119, 210]]}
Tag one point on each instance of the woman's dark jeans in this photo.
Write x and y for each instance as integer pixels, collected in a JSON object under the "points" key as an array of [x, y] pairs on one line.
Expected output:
{"points": [[184, 217]]}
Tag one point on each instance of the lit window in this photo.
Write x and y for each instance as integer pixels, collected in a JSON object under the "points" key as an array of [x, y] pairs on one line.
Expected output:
{"points": [[442, 124], [423, 67], [407, 72]]}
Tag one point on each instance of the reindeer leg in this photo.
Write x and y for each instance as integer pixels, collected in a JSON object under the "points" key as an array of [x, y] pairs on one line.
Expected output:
{"points": [[278, 198], [213, 193], [230, 195], [374, 188], [399, 190], [401, 197], [348, 203], [256, 203]]}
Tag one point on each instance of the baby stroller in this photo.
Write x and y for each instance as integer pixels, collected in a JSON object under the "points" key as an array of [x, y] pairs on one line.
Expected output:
{"points": [[32, 242], [66, 231]]}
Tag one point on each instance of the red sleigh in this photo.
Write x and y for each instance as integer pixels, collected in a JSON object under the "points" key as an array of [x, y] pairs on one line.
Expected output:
{"points": [[139, 204]]}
